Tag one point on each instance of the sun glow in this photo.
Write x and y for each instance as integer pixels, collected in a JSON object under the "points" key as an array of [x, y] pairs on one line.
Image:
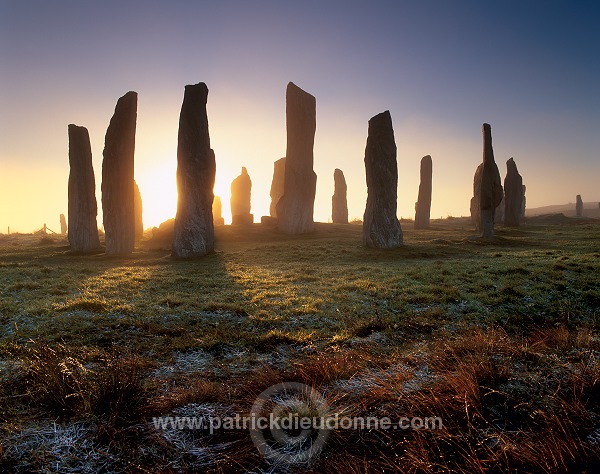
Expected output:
{"points": [[158, 187]]}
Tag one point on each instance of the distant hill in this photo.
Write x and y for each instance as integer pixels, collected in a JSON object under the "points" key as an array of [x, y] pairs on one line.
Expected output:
{"points": [[590, 209]]}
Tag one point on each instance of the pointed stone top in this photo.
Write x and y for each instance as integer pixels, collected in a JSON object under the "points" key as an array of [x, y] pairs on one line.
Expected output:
{"points": [[426, 158], [338, 172], [511, 166], [244, 170]]}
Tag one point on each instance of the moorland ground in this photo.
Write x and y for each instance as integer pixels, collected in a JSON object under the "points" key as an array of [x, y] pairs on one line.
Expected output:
{"points": [[499, 339]]}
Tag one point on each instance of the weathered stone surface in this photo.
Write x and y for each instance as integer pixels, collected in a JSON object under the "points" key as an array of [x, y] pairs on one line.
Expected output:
{"points": [[63, 224], [194, 233], [381, 228], [217, 210], [117, 177], [269, 221], [475, 209], [499, 212], [579, 206], [83, 209], [339, 202], [138, 211], [296, 206], [491, 187], [423, 205], [513, 192], [241, 194], [277, 185]]}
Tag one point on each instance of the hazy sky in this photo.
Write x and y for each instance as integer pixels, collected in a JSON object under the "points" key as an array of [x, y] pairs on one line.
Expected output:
{"points": [[529, 68]]}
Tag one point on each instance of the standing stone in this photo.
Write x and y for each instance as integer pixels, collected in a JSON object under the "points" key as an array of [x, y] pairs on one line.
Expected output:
{"points": [[499, 211], [513, 191], [524, 202], [277, 185], [138, 211], [491, 187], [381, 228], [241, 194], [117, 177], [475, 210], [194, 233], [83, 228], [339, 202], [579, 206], [423, 205], [296, 206], [217, 210], [63, 224]]}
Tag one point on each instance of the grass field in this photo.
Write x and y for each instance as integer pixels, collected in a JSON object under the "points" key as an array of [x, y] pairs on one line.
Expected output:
{"points": [[499, 339]]}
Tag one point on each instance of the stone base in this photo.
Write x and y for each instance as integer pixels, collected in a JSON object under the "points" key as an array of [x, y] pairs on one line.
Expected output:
{"points": [[218, 221], [487, 223], [268, 220], [247, 219]]}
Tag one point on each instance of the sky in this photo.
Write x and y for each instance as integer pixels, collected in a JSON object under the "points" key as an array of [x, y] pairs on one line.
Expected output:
{"points": [[530, 68]]}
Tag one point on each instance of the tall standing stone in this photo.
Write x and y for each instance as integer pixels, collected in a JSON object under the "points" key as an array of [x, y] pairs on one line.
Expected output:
{"points": [[138, 210], [117, 177], [475, 209], [83, 209], [217, 210], [277, 185], [339, 201], [513, 192], [491, 187], [381, 228], [524, 202], [241, 195], [423, 205], [194, 233], [579, 206], [63, 224], [296, 206]]}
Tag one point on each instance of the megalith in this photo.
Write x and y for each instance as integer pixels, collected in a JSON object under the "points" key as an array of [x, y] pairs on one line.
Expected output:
{"points": [[194, 233], [491, 187], [138, 211], [524, 203], [475, 210], [513, 195], [63, 224], [241, 194], [82, 209], [579, 206], [339, 201], [295, 208], [423, 205], [381, 228], [499, 212], [277, 185], [217, 210], [117, 177]]}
